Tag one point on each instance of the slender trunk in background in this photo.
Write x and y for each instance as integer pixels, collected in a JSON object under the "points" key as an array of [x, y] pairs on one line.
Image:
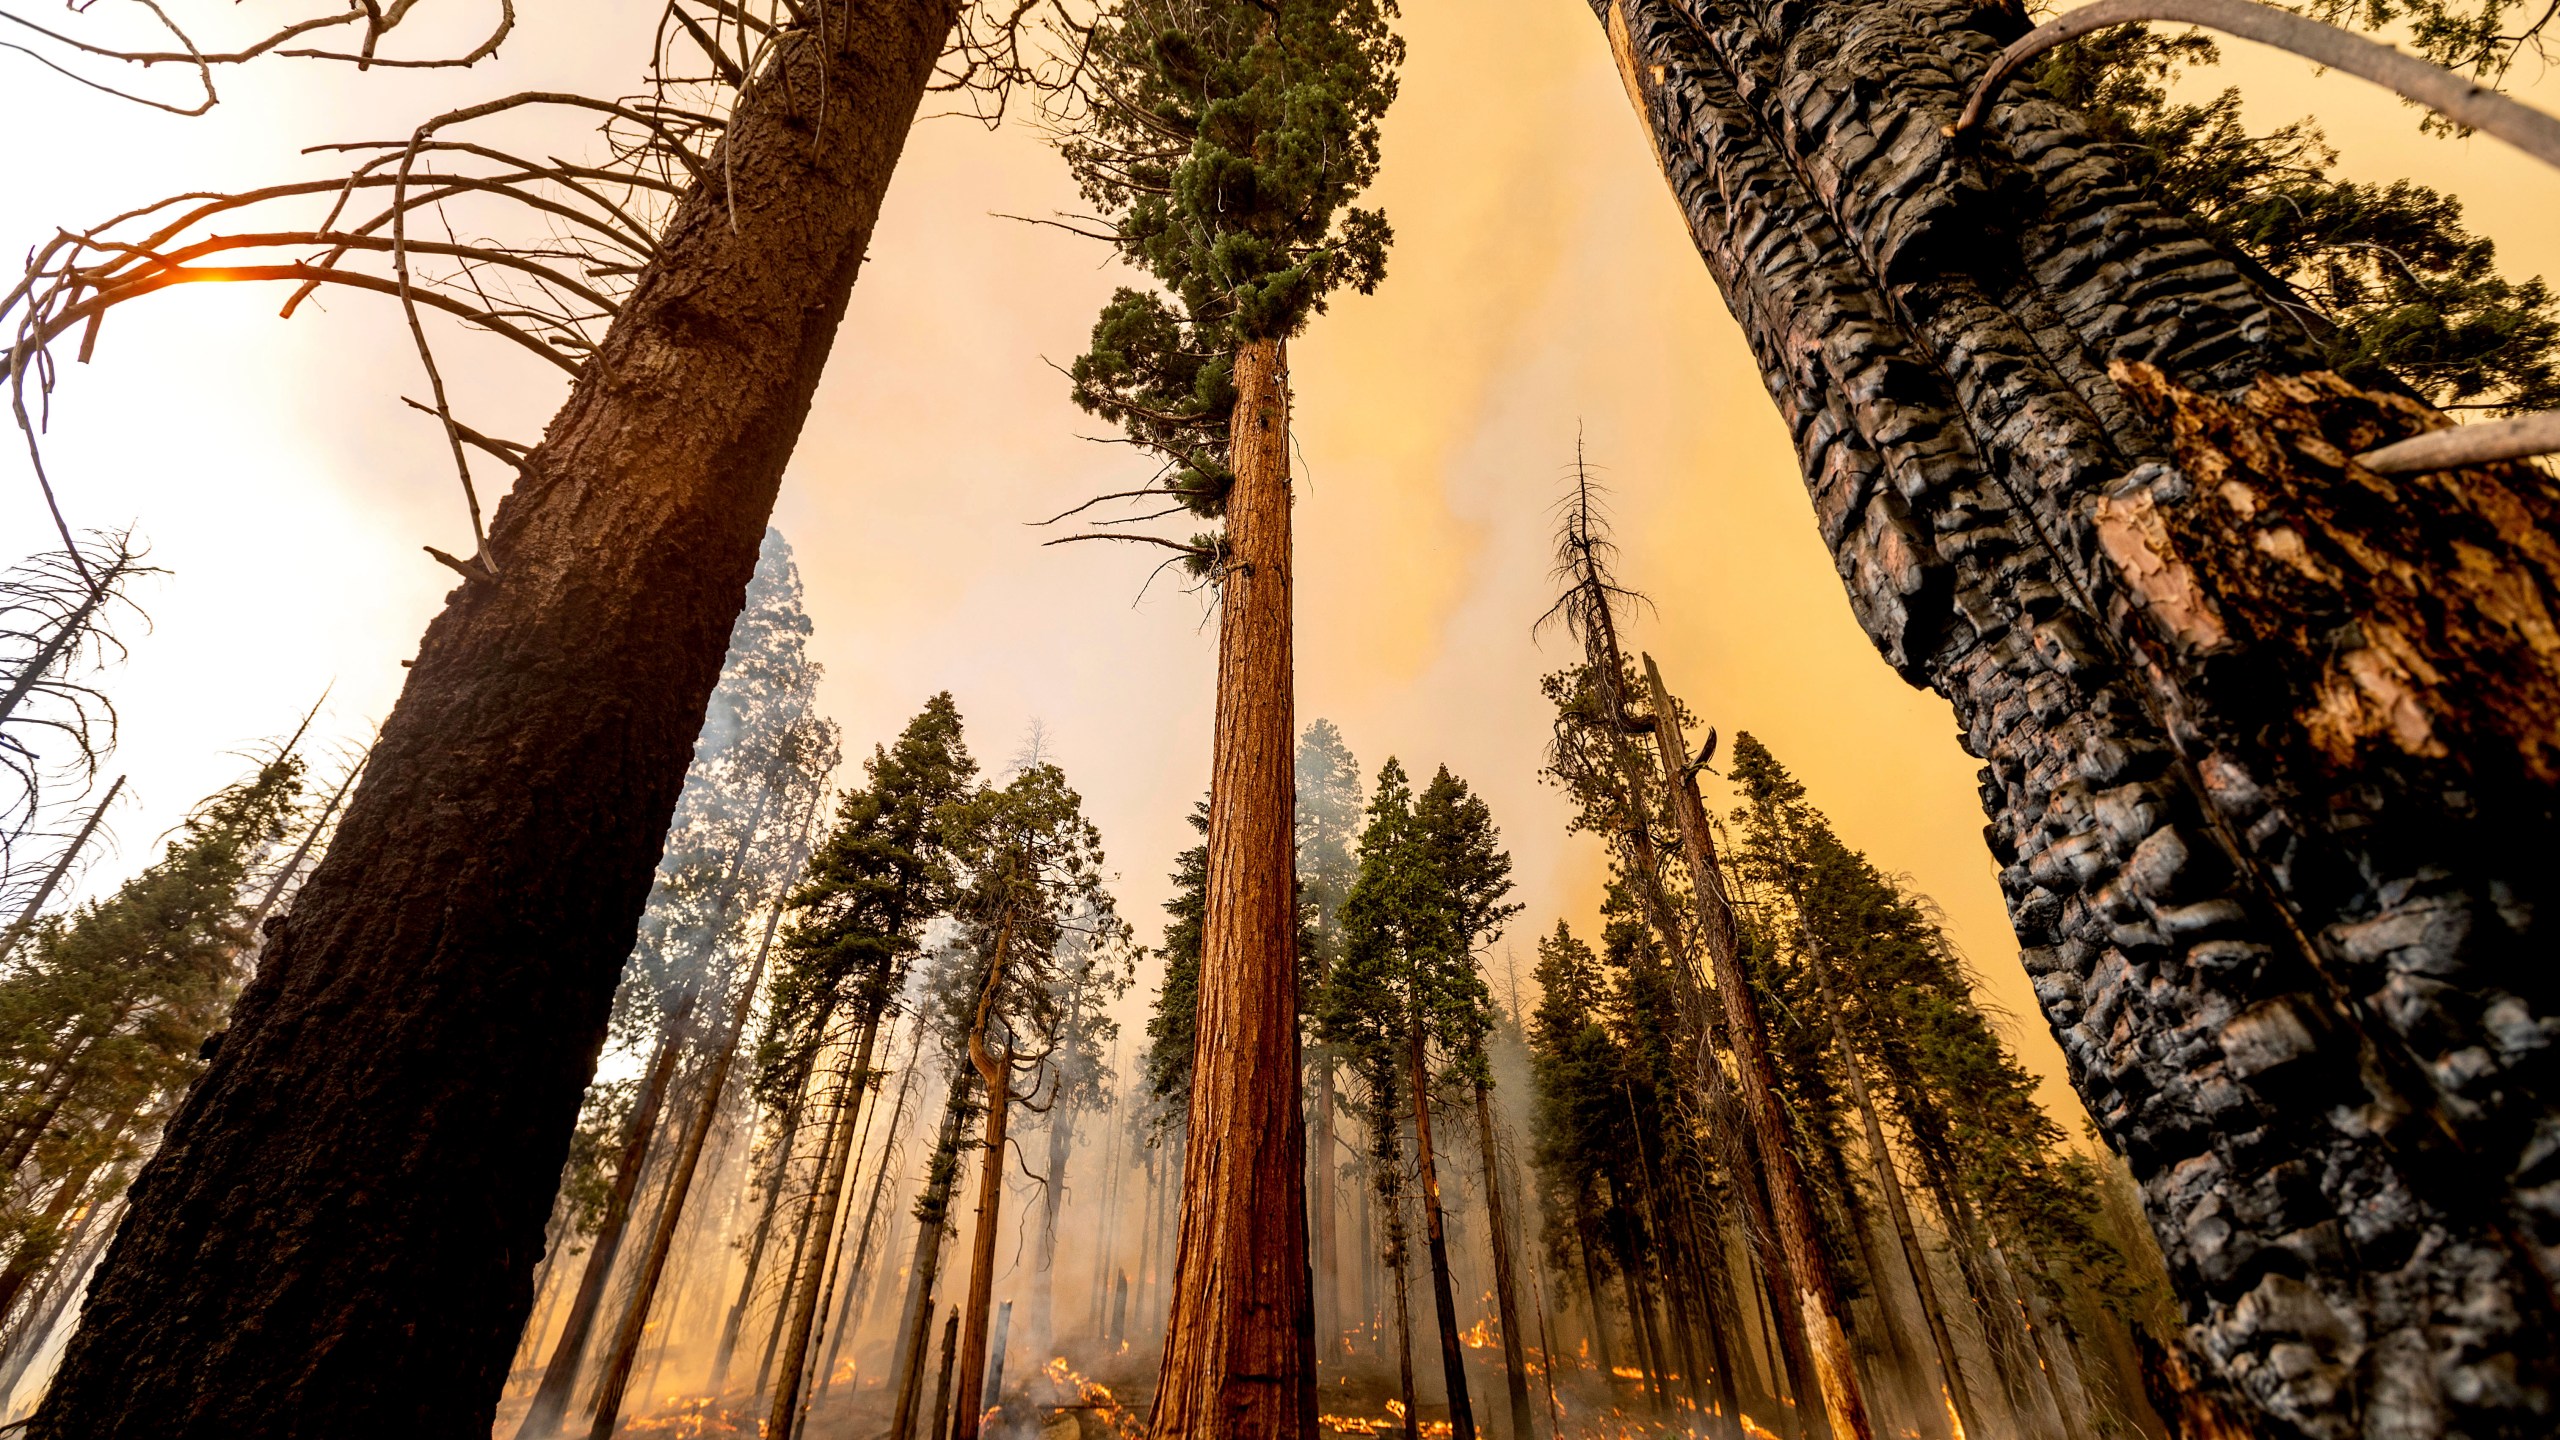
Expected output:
{"points": [[339, 1233], [560, 1377], [1506, 1294], [1958, 1398], [2088, 479], [942, 1382], [1325, 1240], [993, 1393], [833, 1099], [1400, 1263], [1790, 1204], [982, 1258], [90, 1237], [995, 1072], [1453, 1358], [2068, 1409], [933, 1208], [1591, 1292], [1044, 1259], [784, 1421], [64, 637], [1239, 1348], [26, 920], [871, 1214], [1703, 1242], [662, 1236], [776, 1177]]}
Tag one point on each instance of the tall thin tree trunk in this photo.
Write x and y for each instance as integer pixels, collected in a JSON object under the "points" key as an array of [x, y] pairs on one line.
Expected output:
{"points": [[942, 1382], [1506, 1292], [1400, 1265], [933, 1208], [1444, 1302], [995, 1072], [662, 1236], [1790, 1201], [62, 863], [339, 1233], [2088, 479], [778, 1177], [838, 1117], [1239, 1348], [560, 1377], [1044, 1260], [784, 1421], [1323, 1212], [1951, 1375], [871, 1212]]}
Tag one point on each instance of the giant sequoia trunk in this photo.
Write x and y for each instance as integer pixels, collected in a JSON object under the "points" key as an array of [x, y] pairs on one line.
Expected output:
{"points": [[339, 1235], [1239, 1346], [2270, 742]]}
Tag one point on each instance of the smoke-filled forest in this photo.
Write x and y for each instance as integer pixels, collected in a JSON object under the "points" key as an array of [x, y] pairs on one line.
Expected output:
{"points": [[1114, 740]]}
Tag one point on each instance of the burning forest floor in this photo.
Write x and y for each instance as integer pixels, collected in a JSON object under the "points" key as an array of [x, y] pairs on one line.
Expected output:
{"points": [[1108, 1399]]}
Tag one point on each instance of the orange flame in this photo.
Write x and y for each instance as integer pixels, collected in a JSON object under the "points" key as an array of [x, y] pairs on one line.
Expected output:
{"points": [[1478, 1336]]}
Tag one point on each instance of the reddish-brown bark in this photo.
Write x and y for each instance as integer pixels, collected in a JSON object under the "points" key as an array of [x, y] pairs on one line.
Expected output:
{"points": [[339, 1235], [1239, 1350]]}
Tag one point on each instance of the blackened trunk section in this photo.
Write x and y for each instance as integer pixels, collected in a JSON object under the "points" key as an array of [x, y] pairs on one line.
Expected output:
{"points": [[339, 1235], [1435, 1236], [2264, 758]]}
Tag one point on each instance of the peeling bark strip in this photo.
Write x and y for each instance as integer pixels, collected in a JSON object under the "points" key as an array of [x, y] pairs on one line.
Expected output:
{"points": [[338, 1237], [2268, 740], [1239, 1347]]}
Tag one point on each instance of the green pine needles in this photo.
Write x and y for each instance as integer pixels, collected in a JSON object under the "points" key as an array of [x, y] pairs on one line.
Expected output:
{"points": [[1222, 142]]}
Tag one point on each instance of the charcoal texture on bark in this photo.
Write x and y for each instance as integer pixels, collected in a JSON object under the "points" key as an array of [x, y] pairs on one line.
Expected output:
{"points": [[338, 1236], [2269, 741]]}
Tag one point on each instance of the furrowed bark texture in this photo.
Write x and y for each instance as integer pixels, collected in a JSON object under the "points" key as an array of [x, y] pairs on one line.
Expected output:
{"points": [[339, 1235], [2269, 741], [1239, 1349]]}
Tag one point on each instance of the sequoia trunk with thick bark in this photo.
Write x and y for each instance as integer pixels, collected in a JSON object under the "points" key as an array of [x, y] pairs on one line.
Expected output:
{"points": [[2272, 743], [1435, 1238], [339, 1234], [1506, 1293], [1239, 1348]]}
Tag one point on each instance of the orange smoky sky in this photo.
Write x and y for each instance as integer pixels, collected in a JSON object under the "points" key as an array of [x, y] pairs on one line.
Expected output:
{"points": [[1541, 293]]}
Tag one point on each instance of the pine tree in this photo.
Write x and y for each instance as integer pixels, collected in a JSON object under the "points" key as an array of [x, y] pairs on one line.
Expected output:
{"points": [[1221, 145]]}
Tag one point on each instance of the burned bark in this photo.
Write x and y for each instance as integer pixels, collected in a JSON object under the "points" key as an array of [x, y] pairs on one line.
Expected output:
{"points": [[339, 1234], [2268, 738], [1515, 1370], [1239, 1349]]}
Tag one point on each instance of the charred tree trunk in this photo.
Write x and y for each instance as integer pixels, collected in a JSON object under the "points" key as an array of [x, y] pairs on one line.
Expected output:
{"points": [[1817, 1297], [1239, 1348], [995, 1071], [2267, 737], [942, 1382], [62, 863], [1506, 1290], [784, 1420], [1435, 1236], [339, 1234], [560, 1377], [933, 1210]]}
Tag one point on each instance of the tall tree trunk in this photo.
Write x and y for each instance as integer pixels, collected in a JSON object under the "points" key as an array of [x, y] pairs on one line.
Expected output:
{"points": [[28, 1340], [933, 1209], [662, 1236], [996, 1072], [1790, 1201], [62, 863], [1959, 1400], [2265, 735], [1506, 1290], [1323, 1215], [1044, 1259], [776, 1179], [1400, 1265], [1239, 1347], [560, 1377], [871, 1215], [942, 1382], [784, 1421], [1435, 1235], [339, 1234]]}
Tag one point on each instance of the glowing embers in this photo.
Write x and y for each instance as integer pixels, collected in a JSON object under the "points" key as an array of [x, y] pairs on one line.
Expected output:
{"points": [[1092, 1395]]}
